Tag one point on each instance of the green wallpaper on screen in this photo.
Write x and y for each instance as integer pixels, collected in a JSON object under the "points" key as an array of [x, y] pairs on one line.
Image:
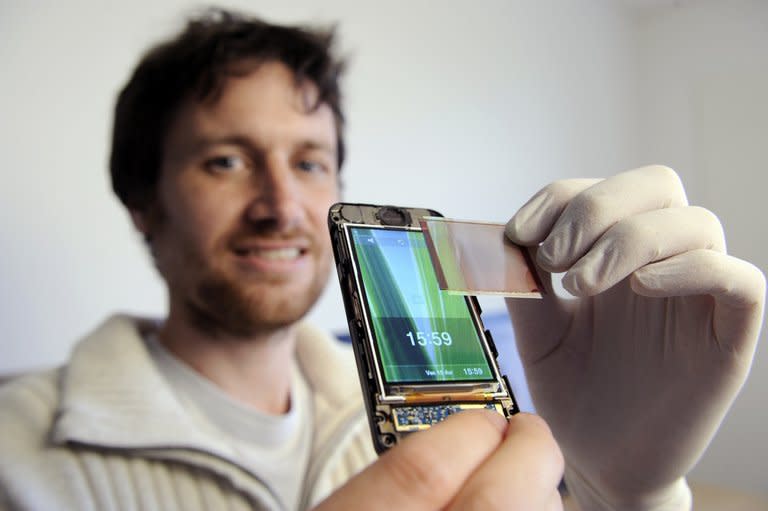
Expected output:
{"points": [[391, 272]]}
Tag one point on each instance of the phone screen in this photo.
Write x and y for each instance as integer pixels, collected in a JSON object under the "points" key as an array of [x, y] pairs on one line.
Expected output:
{"points": [[422, 334]]}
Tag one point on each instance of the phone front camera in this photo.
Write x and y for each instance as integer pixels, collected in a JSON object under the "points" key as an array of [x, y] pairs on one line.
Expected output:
{"points": [[391, 215]]}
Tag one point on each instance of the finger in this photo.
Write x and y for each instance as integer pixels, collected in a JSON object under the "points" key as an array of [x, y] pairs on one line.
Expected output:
{"points": [[427, 469], [521, 474], [591, 213], [738, 289], [532, 222], [638, 240]]}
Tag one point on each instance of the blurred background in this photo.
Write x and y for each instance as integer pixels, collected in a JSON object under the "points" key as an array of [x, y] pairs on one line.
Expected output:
{"points": [[464, 107]]}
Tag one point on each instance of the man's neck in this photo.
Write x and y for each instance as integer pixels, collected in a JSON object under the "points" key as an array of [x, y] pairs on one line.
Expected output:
{"points": [[255, 371]]}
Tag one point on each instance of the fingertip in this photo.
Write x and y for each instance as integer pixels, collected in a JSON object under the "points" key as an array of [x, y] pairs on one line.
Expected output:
{"points": [[529, 421], [481, 418], [497, 421], [533, 220], [525, 229], [666, 180], [669, 175], [571, 284], [512, 230], [644, 281], [544, 256], [547, 258], [533, 426], [580, 281]]}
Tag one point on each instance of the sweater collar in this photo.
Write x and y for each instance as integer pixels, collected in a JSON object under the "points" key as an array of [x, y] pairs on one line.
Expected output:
{"points": [[113, 396]]}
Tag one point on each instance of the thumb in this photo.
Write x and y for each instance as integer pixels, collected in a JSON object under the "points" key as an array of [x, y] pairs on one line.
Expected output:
{"points": [[427, 469]]}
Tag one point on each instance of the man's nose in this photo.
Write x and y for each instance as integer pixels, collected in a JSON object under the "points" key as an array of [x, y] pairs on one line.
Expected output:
{"points": [[276, 196]]}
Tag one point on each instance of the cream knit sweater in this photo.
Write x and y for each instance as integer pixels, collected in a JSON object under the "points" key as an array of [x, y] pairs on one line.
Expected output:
{"points": [[106, 433]]}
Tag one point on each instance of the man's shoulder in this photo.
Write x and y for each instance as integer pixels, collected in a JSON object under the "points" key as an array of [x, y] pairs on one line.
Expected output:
{"points": [[117, 328], [29, 401], [28, 405], [37, 388]]}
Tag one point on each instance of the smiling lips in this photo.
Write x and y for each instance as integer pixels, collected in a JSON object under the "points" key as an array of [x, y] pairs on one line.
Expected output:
{"points": [[271, 256]]}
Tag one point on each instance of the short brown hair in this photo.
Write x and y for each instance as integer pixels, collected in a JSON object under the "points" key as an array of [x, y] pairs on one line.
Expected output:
{"points": [[197, 62]]}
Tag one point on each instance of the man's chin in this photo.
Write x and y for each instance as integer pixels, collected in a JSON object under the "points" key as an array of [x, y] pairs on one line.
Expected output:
{"points": [[221, 309]]}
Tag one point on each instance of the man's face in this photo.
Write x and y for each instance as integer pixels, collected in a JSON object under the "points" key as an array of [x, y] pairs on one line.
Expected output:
{"points": [[239, 232]]}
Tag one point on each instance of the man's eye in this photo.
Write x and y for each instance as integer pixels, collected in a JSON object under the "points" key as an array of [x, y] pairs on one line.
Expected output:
{"points": [[224, 163], [310, 166]]}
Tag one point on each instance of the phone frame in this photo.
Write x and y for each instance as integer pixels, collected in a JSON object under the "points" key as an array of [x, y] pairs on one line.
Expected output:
{"points": [[382, 398]]}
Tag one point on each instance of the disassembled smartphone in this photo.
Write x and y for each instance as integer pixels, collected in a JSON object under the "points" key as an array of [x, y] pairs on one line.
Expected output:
{"points": [[422, 354]]}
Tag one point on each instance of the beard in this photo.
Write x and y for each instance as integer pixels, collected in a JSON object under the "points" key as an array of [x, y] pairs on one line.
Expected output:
{"points": [[220, 306], [218, 302]]}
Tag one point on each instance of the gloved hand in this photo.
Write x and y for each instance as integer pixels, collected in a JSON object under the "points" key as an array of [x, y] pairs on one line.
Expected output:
{"points": [[635, 374]]}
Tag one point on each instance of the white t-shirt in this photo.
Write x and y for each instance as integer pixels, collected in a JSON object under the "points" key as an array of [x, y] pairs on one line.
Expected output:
{"points": [[275, 448]]}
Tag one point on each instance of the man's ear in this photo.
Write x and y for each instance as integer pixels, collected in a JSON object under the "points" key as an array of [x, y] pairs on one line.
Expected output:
{"points": [[144, 222], [139, 219]]}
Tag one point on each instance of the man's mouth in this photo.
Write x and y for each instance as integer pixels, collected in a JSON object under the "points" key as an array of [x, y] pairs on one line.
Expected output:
{"points": [[271, 254]]}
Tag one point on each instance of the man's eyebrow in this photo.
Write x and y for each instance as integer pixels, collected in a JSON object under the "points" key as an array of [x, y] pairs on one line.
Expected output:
{"points": [[317, 145], [238, 140], [242, 141]]}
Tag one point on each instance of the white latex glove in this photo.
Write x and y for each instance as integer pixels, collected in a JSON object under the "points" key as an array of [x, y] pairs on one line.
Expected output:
{"points": [[635, 375]]}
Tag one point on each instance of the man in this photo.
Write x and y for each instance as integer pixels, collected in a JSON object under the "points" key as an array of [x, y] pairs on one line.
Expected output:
{"points": [[226, 151]]}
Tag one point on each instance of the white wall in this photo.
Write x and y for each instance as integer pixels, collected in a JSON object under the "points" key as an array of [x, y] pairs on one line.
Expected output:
{"points": [[704, 105], [464, 107]]}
